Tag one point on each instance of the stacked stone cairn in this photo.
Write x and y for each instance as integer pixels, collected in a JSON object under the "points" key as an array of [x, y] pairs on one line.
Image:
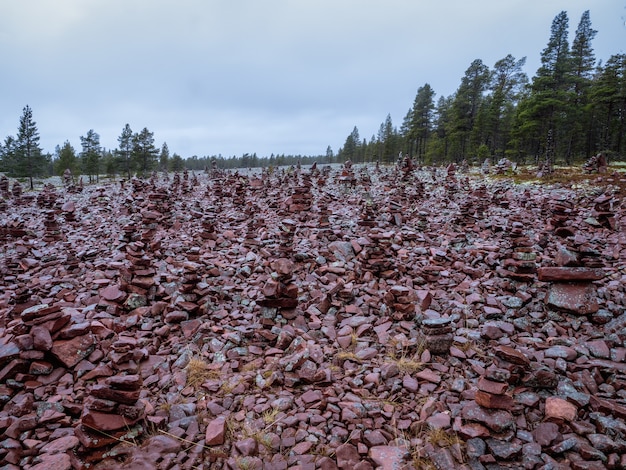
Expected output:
{"points": [[401, 302], [437, 335], [522, 264], [52, 228], [112, 413]]}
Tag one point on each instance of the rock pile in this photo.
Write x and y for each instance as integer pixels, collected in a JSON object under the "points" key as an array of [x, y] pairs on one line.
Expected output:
{"points": [[456, 335]]}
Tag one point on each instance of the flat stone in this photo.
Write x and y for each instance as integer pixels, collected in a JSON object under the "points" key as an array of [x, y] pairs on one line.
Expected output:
{"points": [[578, 298], [70, 352], [569, 274], [388, 457]]}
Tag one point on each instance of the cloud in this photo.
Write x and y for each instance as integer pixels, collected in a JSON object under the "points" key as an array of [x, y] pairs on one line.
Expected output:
{"points": [[272, 76]]}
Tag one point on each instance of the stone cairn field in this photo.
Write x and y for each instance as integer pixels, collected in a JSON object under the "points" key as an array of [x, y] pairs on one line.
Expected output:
{"points": [[355, 318]]}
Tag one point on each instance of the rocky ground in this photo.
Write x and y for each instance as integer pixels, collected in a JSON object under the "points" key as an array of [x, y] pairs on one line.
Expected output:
{"points": [[362, 319]]}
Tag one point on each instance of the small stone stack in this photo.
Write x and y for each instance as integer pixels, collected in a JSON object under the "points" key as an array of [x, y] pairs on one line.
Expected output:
{"points": [[3, 204], [301, 199], [52, 229], [377, 257], [323, 222], [129, 233], [286, 233], [492, 390], [138, 278], [571, 288], [604, 211], [401, 302], [112, 413], [69, 211], [187, 300], [16, 191], [253, 226], [563, 212], [47, 198], [368, 214], [280, 291], [437, 335], [521, 266], [466, 212], [150, 224], [208, 232], [4, 187]]}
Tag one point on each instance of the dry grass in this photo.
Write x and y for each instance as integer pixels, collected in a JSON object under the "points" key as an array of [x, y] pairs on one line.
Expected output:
{"points": [[198, 372]]}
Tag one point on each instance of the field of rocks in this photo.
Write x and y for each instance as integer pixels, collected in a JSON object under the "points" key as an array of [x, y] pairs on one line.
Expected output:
{"points": [[320, 318]]}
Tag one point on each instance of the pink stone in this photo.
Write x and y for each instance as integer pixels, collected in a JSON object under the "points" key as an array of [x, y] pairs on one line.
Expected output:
{"points": [[389, 457], [216, 432], [560, 409]]}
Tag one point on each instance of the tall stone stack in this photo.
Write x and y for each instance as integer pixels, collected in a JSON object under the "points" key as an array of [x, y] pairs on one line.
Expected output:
{"points": [[522, 264], [301, 199], [138, 279], [16, 192], [286, 232], [377, 257], [562, 212], [4, 187], [52, 229], [323, 221]]}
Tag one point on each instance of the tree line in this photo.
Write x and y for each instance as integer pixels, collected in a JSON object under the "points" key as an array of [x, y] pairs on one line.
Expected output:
{"points": [[572, 109]]}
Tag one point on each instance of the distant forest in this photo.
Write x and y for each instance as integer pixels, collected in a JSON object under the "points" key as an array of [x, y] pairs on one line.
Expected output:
{"points": [[573, 108]]}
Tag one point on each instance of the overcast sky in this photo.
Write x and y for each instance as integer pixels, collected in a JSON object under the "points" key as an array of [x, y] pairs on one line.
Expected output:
{"points": [[231, 77]]}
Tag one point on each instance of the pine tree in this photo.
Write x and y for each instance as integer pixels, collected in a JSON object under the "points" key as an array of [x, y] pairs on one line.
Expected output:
{"points": [[24, 156], [465, 106], [125, 148], [420, 121], [144, 152], [164, 157], [91, 154], [66, 159], [582, 65]]}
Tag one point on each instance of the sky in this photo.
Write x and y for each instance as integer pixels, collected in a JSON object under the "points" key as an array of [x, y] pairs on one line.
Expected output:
{"points": [[229, 77]]}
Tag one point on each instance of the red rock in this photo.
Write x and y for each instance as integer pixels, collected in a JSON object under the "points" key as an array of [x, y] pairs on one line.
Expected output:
{"points": [[42, 341], [560, 409], [579, 298], [216, 432], [429, 376], [491, 401], [568, 274], [512, 355], [491, 386], [70, 352], [106, 422], [113, 294], [389, 457]]}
